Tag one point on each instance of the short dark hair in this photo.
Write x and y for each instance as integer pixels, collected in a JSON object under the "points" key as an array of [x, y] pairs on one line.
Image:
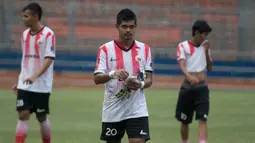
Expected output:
{"points": [[35, 8], [126, 15], [201, 26]]}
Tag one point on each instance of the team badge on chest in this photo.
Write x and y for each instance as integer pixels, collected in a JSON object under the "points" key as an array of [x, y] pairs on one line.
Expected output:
{"points": [[138, 58], [39, 41]]}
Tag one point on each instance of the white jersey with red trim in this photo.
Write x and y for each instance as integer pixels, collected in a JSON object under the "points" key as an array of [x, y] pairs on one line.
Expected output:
{"points": [[112, 56], [194, 56], [35, 48]]}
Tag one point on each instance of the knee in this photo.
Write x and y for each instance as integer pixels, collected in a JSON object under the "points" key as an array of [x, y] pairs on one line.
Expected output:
{"points": [[202, 122], [24, 115], [41, 117], [136, 140], [184, 128], [184, 125]]}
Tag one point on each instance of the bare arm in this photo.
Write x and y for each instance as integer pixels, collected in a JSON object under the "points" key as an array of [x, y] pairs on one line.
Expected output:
{"points": [[49, 55], [101, 78], [181, 58], [207, 45], [187, 75], [148, 80], [148, 69], [47, 62], [183, 68], [208, 60]]}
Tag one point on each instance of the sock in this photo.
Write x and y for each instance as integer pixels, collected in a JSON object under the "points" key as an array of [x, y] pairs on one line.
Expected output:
{"points": [[202, 140], [185, 141], [45, 131], [21, 131]]}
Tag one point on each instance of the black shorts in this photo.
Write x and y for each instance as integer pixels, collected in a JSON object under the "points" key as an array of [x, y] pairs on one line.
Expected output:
{"points": [[135, 128], [33, 101], [192, 100]]}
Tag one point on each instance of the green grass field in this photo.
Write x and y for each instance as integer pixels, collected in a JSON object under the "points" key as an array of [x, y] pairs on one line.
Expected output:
{"points": [[76, 117]]}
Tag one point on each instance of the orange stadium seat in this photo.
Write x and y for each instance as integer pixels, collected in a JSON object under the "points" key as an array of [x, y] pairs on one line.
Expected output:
{"points": [[231, 18], [179, 16], [18, 29], [147, 2], [223, 4], [59, 29], [17, 33], [160, 36]]}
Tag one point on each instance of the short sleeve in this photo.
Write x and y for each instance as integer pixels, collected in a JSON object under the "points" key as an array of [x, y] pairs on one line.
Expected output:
{"points": [[181, 53], [50, 50], [148, 62], [101, 63]]}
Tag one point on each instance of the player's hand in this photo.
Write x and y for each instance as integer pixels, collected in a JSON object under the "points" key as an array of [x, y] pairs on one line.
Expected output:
{"points": [[206, 44], [193, 79], [121, 74], [15, 89], [29, 80], [133, 84]]}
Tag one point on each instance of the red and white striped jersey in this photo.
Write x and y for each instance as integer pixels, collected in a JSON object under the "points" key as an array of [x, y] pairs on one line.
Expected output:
{"points": [[35, 48], [194, 56], [113, 56]]}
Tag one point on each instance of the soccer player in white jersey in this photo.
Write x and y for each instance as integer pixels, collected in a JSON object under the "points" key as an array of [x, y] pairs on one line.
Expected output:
{"points": [[195, 60], [125, 67], [36, 76]]}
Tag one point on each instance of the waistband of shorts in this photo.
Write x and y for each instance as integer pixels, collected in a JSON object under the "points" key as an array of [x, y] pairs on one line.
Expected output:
{"points": [[187, 84]]}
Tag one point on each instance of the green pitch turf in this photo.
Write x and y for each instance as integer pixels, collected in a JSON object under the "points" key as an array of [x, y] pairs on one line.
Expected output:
{"points": [[76, 117]]}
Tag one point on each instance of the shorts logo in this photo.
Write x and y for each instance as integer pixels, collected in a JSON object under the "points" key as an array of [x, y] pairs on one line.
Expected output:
{"points": [[143, 133], [183, 116], [40, 110], [205, 116]]}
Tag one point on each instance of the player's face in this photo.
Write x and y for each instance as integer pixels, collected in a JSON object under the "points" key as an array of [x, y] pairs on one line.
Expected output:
{"points": [[28, 18], [200, 37], [126, 29]]}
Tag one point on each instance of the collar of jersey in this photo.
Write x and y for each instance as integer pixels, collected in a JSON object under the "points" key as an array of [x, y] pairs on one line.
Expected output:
{"points": [[36, 32], [117, 42], [196, 46]]}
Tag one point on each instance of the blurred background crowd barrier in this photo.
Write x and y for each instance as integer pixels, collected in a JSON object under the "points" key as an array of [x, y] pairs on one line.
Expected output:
{"points": [[82, 26]]}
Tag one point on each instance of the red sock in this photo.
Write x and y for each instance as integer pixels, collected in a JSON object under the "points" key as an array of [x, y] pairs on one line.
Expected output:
{"points": [[21, 131], [45, 131]]}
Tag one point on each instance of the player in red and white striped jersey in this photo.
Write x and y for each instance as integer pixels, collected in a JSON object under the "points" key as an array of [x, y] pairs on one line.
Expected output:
{"points": [[36, 76], [125, 67], [194, 58]]}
